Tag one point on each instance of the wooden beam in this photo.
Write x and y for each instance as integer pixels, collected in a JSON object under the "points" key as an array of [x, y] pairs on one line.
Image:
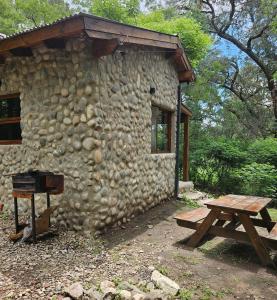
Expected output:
{"points": [[185, 110], [186, 76], [127, 31], [228, 233], [61, 29], [102, 47], [22, 51], [55, 43], [186, 150], [130, 39]]}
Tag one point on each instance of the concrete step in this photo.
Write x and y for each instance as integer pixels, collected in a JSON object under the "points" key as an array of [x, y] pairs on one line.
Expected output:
{"points": [[185, 186], [193, 195]]}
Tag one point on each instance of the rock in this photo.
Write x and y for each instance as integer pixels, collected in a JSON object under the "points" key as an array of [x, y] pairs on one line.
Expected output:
{"points": [[75, 291], [106, 284], [94, 294], [156, 295], [88, 90], [64, 92], [88, 143], [129, 287], [77, 145], [150, 286], [97, 156], [109, 294], [67, 121], [125, 295], [166, 284], [138, 297]]}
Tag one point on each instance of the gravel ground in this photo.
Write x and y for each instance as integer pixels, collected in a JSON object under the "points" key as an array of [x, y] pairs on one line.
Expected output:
{"points": [[220, 269]]}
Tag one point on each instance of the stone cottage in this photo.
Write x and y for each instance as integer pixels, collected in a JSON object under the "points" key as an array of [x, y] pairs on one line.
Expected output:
{"points": [[95, 100]]}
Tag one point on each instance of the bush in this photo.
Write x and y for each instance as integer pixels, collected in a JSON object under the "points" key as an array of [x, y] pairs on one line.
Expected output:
{"points": [[264, 151], [258, 179]]}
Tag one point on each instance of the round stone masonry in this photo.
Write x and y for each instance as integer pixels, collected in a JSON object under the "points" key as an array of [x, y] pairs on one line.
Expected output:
{"points": [[90, 119]]}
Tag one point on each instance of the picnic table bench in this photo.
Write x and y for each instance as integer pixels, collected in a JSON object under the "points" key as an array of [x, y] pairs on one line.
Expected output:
{"points": [[222, 216]]}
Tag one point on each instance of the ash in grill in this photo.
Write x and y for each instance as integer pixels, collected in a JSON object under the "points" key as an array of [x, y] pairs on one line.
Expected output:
{"points": [[35, 181]]}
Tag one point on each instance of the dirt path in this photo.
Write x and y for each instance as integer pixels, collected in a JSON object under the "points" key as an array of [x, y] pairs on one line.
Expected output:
{"points": [[220, 269]]}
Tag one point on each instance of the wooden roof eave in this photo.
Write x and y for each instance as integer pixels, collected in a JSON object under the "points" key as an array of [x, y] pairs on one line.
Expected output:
{"points": [[185, 110], [100, 28], [69, 27]]}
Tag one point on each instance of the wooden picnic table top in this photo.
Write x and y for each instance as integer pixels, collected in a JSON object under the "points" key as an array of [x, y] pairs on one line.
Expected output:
{"points": [[251, 205]]}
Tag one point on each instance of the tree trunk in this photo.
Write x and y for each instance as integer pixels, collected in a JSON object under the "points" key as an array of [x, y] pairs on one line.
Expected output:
{"points": [[273, 92]]}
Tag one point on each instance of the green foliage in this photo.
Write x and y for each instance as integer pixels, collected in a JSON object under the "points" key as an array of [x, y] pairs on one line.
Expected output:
{"points": [[264, 151], [194, 40], [185, 294], [22, 14], [190, 203], [258, 179], [273, 213], [118, 10], [232, 166]]}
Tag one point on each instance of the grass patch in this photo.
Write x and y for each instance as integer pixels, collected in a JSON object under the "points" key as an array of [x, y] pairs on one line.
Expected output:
{"points": [[190, 203], [186, 294], [191, 260], [273, 213], [163, 270], [4, 215]]}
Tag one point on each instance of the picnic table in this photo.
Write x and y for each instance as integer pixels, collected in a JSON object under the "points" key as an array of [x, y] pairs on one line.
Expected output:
{"points": [[224, 215]]}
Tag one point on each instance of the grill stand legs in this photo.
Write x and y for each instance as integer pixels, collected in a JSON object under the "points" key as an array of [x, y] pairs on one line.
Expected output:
{"points": [[34, 234], [48, 205], [16, 215]]}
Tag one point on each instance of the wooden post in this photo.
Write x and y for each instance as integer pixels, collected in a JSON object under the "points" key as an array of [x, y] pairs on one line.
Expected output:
{"points": [[186, 149]]}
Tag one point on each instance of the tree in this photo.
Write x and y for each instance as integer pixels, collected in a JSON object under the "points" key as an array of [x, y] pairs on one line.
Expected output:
{"points": [[249, 26], [19, 15], [118, 10], [195, 42]]}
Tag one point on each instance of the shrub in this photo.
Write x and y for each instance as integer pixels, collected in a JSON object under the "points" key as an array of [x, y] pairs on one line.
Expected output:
{"points": [[264, 151], [258, 179]]}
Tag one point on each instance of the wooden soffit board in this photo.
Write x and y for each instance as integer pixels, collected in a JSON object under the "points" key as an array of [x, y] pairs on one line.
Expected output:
{"points": [[65, 28]]}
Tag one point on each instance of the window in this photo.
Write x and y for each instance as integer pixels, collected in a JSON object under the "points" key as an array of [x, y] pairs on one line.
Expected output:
{"points": [[10, 130], [161, 130]]}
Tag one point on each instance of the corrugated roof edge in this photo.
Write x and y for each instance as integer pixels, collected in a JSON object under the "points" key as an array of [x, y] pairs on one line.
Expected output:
{"points": [[81, 14]]}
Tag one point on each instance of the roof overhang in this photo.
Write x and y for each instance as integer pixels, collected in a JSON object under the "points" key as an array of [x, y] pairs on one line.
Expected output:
{"points": [[185, 110], [106, 31]]}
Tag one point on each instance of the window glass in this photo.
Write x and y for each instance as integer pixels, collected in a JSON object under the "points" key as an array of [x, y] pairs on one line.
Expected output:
{"points": [[161, 130], [10, 130]]}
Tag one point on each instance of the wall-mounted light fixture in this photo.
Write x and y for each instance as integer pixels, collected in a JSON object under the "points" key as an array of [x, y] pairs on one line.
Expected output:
{"points": [[152, 90]]}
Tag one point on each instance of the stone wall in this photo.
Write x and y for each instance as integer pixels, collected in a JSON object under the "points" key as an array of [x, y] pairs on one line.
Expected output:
{"points": [[90, 119]]}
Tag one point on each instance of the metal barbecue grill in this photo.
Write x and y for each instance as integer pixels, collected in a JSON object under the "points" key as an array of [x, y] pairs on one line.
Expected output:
{"points": [[27, 184]]}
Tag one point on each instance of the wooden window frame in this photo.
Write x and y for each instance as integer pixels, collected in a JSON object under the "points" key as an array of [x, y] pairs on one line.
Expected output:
{"points": [[12, 120], [169, 131]]}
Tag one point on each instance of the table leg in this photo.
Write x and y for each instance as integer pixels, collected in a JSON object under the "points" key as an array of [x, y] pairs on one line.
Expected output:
{"points": [[255, 239], [33, 219], [266, 218], [48, 205], [16, 215], [204, 227]]}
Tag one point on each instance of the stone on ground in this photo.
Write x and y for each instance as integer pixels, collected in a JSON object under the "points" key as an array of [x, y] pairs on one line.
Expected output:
{"points": [[109, 293], [156, 295], [194, 195], [125, 295], [94, 294], [75, 291], [166, 284], [138, 297]]}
